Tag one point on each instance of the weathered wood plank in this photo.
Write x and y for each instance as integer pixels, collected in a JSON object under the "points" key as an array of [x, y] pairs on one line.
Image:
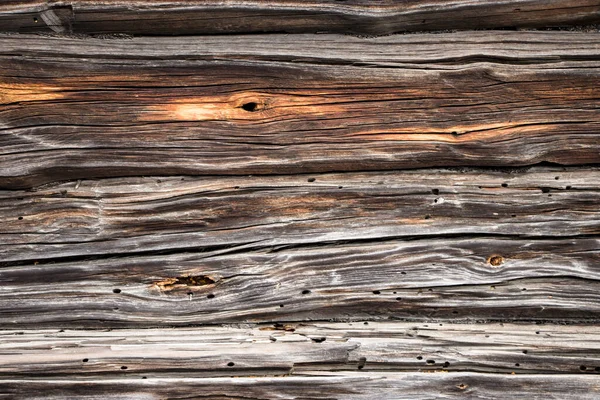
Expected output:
{"points": [[341, 385], [294, 104], [300, 349], [173, 17], [116, 217], [474, 279]]}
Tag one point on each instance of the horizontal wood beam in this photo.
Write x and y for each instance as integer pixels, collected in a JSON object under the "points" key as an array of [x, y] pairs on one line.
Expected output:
{"points": [[301, 349], [176, 17], [129, 216], [315, 360], [294, 104]]}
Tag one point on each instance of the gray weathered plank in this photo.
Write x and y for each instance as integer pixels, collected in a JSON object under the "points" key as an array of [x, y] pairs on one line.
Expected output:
{"points": [[117, 217], [473, 278], [300, 349], [341, 385]]}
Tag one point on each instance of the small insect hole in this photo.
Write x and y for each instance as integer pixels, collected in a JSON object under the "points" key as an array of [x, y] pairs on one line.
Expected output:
{"points": [[117, 291], [311, 179], [85, 360], [210, 296], [504, 185], [230, 364], [306, 291], [435, 191], [123, 367], [376, 292]]}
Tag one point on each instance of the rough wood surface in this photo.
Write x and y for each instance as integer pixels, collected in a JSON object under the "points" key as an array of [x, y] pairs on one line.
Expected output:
{"points": [[169, 17], [316, 361], [299, 216], [81, 108], [414, 244], [95, 218], [301, 349], [342, 385]]}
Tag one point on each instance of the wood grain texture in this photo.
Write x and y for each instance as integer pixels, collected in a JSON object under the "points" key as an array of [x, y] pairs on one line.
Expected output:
{"points": [[172, 17], [294, 104], [428, 279], [320, 360], [300, 349], [120, 216], [343, 385]]}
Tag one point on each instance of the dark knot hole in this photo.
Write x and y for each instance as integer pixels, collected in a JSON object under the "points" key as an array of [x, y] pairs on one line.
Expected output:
{"points": [[250, 107]]}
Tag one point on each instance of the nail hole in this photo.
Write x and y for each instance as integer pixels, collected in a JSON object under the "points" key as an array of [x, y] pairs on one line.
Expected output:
{"points": [[250, 107], [230, 364], [116, 290], [361, 362]]}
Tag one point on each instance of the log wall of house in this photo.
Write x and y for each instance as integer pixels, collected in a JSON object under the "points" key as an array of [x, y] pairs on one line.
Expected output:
{"points": [[299, 200]]}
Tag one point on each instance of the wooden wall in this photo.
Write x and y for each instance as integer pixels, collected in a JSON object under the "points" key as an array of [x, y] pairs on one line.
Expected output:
{"points": [[299, 200]]}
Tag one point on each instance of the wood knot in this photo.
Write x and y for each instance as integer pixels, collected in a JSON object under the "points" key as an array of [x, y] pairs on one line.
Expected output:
{"points": [[495, 260], [184, 282], [253, 106]]}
